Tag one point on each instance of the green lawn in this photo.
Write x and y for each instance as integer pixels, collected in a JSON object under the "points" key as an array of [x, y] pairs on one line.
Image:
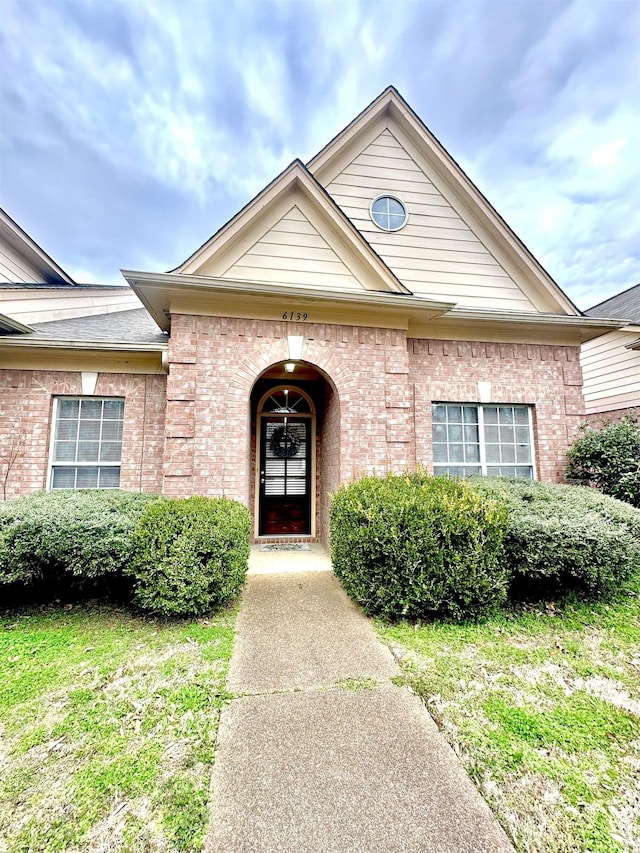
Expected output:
{"points": [[108, 729], [543, 707]]}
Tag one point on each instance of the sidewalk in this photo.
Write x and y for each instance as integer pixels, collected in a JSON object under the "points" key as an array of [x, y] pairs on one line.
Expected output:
{"points": [[321, 753]]}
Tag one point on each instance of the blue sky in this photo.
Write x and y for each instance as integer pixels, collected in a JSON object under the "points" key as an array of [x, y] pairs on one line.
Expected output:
{"points": [[132, 129]]}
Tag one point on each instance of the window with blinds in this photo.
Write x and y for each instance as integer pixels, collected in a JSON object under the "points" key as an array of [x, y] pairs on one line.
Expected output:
{"points": [[87, 443]]}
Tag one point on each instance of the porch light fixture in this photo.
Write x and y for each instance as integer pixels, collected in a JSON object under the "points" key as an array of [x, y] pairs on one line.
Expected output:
{"points": [[295, 347]]}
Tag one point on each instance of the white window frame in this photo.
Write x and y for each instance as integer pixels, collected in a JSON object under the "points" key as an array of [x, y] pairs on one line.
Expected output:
{"points": [[394, 198], [483, 464], [93, 464]]}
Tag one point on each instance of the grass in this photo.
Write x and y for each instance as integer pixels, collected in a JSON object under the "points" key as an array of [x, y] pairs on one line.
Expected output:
{"points": [[543, 707], [109, 729]]}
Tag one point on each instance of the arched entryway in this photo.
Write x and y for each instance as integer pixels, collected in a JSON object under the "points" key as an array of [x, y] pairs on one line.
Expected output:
{"points": [[295, 452]]}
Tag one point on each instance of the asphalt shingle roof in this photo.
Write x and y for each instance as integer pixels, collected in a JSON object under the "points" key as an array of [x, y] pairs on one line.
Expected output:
{"points": [[623, 306], [135, 326]]}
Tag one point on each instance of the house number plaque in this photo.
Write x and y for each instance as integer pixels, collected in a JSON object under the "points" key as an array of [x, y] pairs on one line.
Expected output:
{"points": [[295, 315]]}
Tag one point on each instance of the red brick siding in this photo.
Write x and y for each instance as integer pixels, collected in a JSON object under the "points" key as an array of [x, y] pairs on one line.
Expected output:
{"points": [[26, 404], [546, 377]]}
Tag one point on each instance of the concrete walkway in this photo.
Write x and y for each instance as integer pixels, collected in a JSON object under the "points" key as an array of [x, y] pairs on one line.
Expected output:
{"points": [[320, 752]]}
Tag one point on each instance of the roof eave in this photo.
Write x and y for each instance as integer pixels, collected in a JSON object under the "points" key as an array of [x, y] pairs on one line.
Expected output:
{"points": [[8, 324]]}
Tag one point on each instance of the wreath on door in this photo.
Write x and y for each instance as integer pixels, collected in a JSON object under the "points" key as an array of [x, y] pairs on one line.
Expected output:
{"points": [[283, 444]]}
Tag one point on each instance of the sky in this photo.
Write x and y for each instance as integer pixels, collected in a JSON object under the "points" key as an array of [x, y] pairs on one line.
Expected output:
{"points": [[131, 130]]}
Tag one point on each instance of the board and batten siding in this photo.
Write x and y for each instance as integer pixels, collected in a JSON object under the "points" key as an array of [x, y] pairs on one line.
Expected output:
{"points": [[293, 252], [435, 254], [611, 372]]}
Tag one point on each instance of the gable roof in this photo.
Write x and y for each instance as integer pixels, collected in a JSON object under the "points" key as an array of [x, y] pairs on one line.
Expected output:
{"points": [[390, 106], [623, 305], [296, 180], [21, 242]]}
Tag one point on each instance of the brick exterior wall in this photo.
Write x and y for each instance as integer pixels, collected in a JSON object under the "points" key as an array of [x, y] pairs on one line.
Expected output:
{"points": [[26, 405], [546, 377], [192, 431]]}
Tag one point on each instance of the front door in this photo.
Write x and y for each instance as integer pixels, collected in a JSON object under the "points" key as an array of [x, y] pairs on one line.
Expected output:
{"points": [[285, 469]]}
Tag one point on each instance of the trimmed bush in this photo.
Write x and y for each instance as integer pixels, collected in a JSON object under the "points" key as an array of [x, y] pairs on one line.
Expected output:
{"points": [[609, 459], [191, 555], [562, 538], [412, 546], [68, 538]]}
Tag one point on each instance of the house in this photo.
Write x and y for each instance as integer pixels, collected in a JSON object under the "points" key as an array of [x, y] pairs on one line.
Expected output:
{"points": [[611, 363], [366, 312]]}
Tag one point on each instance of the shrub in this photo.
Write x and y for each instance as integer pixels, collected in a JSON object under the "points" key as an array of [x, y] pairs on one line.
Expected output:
{"points": [[609, 459], [563, 538], [413, 546], [191, 555], [67, 537]]}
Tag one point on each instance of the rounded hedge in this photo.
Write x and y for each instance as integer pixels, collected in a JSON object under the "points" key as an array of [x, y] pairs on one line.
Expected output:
{"points": [[562, 538], [191, 555], [412, 546], [68, 538]]}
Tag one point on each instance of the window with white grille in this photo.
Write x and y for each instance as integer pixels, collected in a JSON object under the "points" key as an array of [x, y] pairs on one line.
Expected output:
{"points": [[490, 440], [86, 450]]}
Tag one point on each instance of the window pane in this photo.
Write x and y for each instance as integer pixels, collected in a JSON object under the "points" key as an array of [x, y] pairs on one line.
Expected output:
{"points": [[507, 434], [112, 430], [439, 432], [492, 452], [471, 414], [440, 453], [396, 221], [522, 434], [472, 453], [66, 430], [63, 478], [522, 415], [380, 205], [508, 453], [471, 434], [110, 451], [109, 478], [396, 207], [89, 430], [523, 453], [87, 478], [439, 414], [456, 453], [506, 415], [68, 408], [490, 414], [524, 472], [113, 409], [454, 414], [491, 434], [64, 451], [455, 432], [88, 451], [91, 409]]}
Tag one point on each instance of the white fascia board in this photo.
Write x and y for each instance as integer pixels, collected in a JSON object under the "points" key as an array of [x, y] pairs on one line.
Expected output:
{"points": [[378, 299], [606, 324], [12, 325], [110, 346]]}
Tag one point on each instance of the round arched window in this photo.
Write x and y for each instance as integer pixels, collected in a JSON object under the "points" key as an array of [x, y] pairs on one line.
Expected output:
{"points": [[388, 212]]}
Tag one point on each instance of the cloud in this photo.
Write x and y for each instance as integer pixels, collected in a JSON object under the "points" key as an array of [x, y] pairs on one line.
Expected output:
{"points": [[132, 131]]}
